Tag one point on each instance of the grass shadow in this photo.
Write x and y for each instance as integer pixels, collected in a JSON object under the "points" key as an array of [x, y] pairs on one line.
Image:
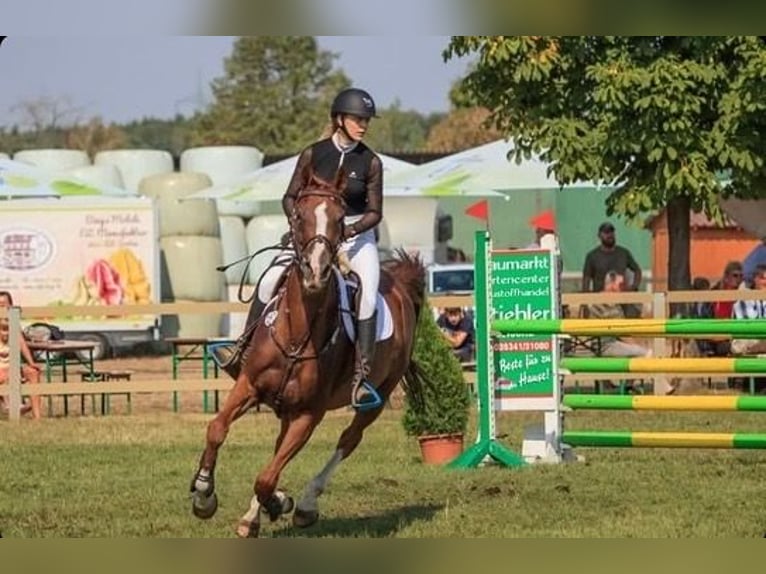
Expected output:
{"points": [[383, 525]]}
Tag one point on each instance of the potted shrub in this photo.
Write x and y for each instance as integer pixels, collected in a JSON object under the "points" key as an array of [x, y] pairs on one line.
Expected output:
{"points": [[440, 422]]}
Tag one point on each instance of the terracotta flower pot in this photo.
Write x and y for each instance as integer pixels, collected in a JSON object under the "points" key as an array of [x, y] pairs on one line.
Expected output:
{"points": [[440, 449]]}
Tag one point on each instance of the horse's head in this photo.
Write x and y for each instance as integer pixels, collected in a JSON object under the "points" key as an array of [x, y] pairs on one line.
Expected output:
{"points": [[317, 228]]}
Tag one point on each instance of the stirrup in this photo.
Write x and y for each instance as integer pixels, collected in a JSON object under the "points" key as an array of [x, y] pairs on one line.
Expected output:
{"points": [[223, 363], [373, 400]]}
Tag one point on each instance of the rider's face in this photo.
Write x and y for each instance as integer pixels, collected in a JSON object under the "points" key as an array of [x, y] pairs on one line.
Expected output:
{"points": [[356, 126]]}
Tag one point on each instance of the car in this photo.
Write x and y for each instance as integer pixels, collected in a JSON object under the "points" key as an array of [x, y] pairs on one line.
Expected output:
{"points": [[450, 279]]}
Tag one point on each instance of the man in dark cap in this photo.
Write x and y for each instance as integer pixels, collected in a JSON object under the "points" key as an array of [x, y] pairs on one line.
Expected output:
{"points": [[609, 256]]}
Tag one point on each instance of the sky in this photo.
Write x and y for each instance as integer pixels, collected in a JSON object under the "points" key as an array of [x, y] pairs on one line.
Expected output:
{"points": [[121, 78]]}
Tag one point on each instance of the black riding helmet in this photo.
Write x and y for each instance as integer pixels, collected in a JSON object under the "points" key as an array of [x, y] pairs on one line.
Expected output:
{"points": [[355, 102]]}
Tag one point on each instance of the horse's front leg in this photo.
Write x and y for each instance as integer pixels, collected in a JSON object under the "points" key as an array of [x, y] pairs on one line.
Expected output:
{"points": [[297, 432], [239, 400]]}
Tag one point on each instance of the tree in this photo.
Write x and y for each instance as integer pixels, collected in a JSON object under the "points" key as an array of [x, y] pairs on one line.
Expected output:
{"points": [[154, 133], [275, 94], [461, 129], [94, 137], [668, 122], [398, 130]]}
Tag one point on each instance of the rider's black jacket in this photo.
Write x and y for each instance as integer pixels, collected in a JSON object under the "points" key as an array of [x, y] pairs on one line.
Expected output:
{"points": [[364, 183]]}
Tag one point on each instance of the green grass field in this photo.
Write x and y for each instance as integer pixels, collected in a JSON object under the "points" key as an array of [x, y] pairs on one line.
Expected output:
{"points": [[128, 476]]}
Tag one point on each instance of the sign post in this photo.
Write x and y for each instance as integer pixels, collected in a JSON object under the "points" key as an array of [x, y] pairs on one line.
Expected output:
{"points": [[515, 372]]}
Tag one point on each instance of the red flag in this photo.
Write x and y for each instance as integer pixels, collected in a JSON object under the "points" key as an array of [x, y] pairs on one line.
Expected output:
{"points": [[479, 210]]}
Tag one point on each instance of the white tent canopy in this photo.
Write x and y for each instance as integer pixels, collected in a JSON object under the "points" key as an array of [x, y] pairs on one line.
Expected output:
{"points": [[269, 183], [474, 172], [20, 180]]}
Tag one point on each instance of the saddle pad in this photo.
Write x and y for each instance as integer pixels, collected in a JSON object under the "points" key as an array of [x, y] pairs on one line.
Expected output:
{"points": [[384, 323]]}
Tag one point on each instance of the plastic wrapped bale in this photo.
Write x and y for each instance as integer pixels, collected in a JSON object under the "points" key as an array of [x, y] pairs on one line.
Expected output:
{"points": [[98, 175], [179, 216], [234, 323], [262, 231], [191, 324], [4, 155], [53, 160], [189, 268], [234, 245], [136, 164], [225, 165]]}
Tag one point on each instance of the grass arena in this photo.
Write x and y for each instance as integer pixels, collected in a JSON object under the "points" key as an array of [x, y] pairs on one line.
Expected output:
{"points": [[127, 475]]}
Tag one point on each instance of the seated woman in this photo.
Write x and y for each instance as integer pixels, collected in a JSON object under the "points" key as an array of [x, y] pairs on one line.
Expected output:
{"points": [[30, 372]]}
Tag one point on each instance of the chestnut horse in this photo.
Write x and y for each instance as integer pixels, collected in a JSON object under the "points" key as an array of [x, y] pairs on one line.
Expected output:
{"points": [[300, 362]]}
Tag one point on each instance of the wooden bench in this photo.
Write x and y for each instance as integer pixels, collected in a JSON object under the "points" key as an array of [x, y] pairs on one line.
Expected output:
{"points": [[105, 376]]}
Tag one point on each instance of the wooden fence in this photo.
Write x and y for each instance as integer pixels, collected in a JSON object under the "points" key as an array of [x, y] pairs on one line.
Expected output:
{"points": [[657, 302]]}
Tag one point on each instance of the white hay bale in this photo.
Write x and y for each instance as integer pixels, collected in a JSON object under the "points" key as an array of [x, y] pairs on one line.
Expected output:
{"points": [[234, 244], [136, 164], [177, 215], [234, 323], [4, 155], [53, 160], [98, 175], [223, 164], [189, 268], [191, 324], [261, 231]]}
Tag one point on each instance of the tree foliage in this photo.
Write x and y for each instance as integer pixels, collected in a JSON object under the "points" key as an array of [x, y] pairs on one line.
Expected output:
{"points": [[399, 130], [445, 396], [669, 122], [462, 128], [94, 136], [275, 94]]}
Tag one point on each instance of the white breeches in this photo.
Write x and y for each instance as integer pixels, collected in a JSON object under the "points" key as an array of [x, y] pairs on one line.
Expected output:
{"points": [[362, 252]]}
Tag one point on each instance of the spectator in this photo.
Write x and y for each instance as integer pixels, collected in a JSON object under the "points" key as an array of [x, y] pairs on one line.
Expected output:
{"points": [[609, 256], [698, 309], [751, 310], [459, 332], [29, 373], [732, 278], [544, 224], [611, 346], [755, 258]]}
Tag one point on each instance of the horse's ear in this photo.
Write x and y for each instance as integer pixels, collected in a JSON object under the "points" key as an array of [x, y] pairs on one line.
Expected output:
{"points": [[340, 181]]}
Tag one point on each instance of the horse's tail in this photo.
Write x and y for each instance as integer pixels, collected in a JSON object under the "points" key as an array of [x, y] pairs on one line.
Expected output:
{"points": [[410, 273], [408, 270]]}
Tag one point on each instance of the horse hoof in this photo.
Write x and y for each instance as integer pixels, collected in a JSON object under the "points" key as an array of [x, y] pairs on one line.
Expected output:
{"points": [[204, 507], [287, 504], [278, 505], [305, 518], [248, 529]]}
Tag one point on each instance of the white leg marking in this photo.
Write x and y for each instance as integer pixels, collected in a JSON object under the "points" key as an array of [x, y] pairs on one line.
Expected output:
{"points": [[317, 485], [252, 513]]}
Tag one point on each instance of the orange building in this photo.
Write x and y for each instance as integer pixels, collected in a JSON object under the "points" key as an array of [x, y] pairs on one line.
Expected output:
{"points": [[712, 247]]}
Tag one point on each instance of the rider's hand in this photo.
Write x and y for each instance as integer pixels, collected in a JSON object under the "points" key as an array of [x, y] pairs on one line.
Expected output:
{"points": [[349, 231]]}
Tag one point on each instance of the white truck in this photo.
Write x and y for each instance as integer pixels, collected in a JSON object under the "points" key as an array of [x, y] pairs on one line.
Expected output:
{"points": [[84, 251]]}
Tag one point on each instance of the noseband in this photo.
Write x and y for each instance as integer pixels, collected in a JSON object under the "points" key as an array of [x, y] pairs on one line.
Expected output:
{"points": [[299, 249]]}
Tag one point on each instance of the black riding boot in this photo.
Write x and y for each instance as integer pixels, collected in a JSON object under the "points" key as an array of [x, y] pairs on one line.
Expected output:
{"points": [[230, 357], [363, 394]]}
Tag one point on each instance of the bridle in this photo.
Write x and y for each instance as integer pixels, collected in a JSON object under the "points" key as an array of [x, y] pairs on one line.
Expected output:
{"points": [[333, 248]]}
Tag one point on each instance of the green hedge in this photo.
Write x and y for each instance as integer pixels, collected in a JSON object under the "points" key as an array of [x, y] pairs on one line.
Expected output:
{"points": [[446, 396]]}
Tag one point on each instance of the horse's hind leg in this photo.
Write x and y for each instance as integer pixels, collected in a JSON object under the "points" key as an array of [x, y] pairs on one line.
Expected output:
{"points": [[291, 441], [307, 509], [238, 401]]}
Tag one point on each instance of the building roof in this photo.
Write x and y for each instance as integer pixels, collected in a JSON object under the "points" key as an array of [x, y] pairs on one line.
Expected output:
{"points": [[697, 220]]}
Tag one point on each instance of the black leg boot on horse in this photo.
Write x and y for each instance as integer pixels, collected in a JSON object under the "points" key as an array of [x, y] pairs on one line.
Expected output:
{"points": [[364, 397], [229, 357]]}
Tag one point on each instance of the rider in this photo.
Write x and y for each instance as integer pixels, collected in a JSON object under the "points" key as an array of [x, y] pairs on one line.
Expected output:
{"points": [[350, 114]]}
